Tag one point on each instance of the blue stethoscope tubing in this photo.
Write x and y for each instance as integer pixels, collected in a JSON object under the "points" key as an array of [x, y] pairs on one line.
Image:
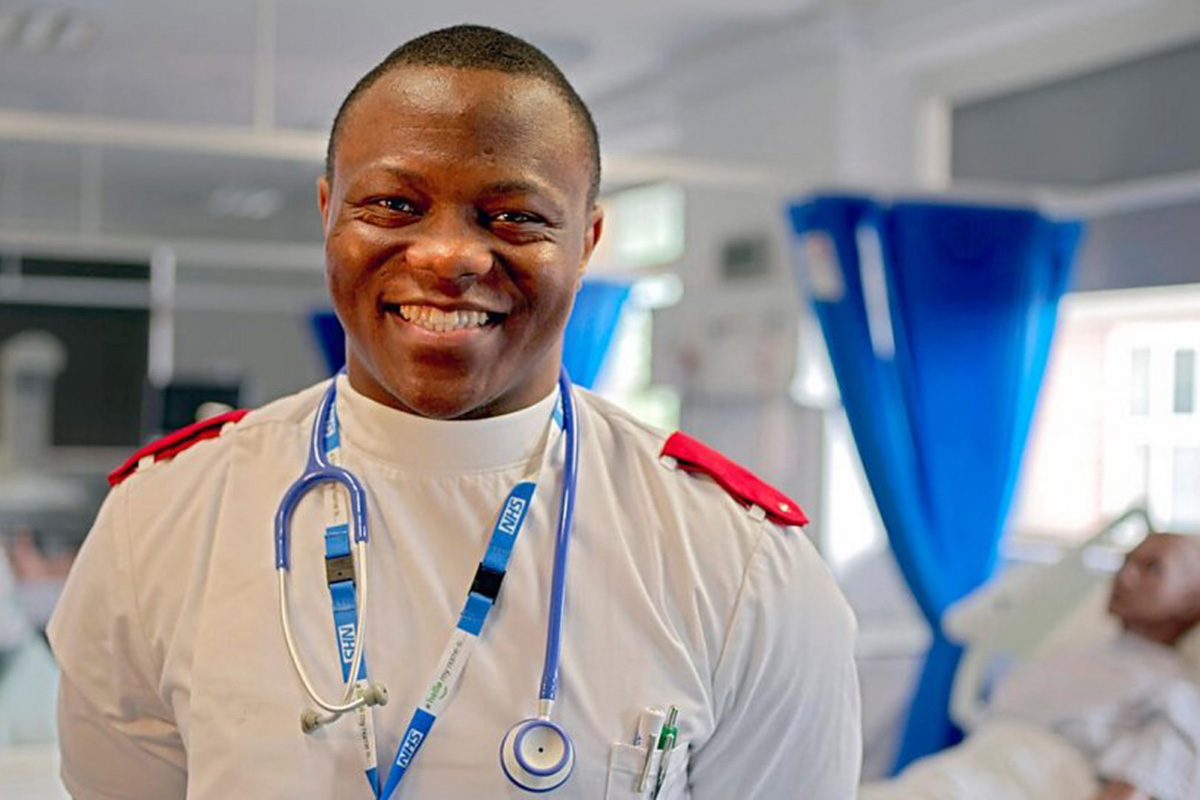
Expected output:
{"points": [[537, 754], [319, 471], [562, 542], [524, 772]]}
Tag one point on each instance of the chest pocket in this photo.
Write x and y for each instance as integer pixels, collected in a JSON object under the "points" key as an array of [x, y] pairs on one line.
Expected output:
{"points": [[625, 768]]}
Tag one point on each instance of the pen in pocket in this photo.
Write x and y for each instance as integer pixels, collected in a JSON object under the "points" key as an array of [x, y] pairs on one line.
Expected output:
{"points": [[666, 743], [650, 723]]}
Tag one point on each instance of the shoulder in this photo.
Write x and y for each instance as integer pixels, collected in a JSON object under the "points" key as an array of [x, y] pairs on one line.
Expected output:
{"points": [[213, 438], [713, 520], [720, 535], [686, 464]]}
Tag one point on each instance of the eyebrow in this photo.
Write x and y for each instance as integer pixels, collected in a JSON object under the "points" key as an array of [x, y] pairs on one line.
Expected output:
{"points": [[402, 173], [514, 187]]}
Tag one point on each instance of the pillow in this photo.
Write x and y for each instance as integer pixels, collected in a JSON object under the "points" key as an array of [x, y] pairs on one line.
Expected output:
{"points": [[1089, 622]]}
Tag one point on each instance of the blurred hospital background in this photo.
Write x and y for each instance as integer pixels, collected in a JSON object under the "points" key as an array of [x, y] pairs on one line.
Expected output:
{"points": [[769, 166]]}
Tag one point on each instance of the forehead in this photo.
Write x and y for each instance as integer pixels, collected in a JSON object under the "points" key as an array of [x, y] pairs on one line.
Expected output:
{"points": [[1178, 551], [475, 117]]}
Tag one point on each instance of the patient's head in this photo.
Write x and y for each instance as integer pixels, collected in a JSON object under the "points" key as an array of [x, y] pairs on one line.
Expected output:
{"points": [[1156, 593]]}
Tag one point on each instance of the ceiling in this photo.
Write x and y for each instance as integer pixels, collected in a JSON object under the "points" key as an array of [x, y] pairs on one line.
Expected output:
{"points": [[263, 66], [199, 62], [134, 118]]}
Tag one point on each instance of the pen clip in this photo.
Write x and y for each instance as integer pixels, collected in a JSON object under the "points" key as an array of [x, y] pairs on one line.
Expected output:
{"points": [[666, 743]]}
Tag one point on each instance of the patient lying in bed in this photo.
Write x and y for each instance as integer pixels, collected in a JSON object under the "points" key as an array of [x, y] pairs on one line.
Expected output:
{"points": [[1118, 721]]}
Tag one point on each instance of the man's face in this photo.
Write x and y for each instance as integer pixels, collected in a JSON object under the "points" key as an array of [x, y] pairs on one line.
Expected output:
{"points": [[1159, 582], [457, 228]]}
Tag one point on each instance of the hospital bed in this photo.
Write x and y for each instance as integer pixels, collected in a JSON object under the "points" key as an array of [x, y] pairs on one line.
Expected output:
{"points": [[1030, 609], [1035, 608]]}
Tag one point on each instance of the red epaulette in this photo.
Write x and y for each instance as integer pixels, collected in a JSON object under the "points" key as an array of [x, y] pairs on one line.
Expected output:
{"points": [[691, 455], [175, 443]]}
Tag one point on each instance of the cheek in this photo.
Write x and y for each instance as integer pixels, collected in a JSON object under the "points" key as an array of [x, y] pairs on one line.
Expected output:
{"points": [[556, 276], [553, 294], [349, 264]]}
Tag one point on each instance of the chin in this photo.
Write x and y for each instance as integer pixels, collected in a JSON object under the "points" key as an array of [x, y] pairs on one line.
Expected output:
{"points": [[406, 389], [1117, 612], [438, 401]]}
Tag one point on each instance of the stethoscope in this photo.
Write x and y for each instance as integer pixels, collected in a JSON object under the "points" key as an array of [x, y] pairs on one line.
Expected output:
{"points": [[536, 754]]}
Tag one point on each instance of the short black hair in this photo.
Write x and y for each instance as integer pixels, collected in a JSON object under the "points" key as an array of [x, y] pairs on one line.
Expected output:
{"points": [[483, 48]]}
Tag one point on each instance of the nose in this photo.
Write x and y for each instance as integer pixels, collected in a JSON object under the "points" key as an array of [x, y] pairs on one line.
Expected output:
{"points": [[450, 247], [1126, 576]]}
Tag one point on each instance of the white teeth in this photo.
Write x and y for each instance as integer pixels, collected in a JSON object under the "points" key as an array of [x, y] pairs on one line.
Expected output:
{"points": [[434, 319]]}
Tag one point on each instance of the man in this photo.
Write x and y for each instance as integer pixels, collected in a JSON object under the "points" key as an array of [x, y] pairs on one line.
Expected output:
{"points": [[1119, 720], [1130, 705], [459, 214]]}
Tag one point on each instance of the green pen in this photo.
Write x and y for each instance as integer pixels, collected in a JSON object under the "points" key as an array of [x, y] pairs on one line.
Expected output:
{"points": [[666, 743]]}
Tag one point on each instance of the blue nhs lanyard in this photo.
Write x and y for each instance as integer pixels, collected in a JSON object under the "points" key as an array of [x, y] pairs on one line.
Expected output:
{"points": [[465, 635]]}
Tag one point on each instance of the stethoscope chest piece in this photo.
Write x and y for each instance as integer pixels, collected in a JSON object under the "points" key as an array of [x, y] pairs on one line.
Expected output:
{"points": [[537, 755]]}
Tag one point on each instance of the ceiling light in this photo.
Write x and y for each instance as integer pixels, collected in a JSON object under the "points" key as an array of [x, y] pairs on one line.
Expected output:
{"points": [[12, 22], [78, 33], [44, 30], [232, 202]]}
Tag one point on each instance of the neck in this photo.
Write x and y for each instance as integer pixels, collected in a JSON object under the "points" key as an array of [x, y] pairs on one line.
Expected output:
{"points": [[1167, 632], [412, 442]]}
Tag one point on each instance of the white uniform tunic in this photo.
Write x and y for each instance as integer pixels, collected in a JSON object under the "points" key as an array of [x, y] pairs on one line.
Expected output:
{"points": [[176, 678]]}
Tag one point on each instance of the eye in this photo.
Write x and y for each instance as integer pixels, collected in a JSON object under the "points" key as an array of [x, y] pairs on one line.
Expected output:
{"points": [[516, 218], [398, 205]]}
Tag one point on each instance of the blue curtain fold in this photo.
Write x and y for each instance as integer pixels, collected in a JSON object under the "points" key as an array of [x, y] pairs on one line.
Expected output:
{"points": [[331, 339], [590, 329], [589, 333], [940, 411]]}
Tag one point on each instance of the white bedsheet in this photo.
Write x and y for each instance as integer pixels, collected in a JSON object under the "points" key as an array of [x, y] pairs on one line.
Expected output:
{"points": [[1000, 761], [1128, 704]]}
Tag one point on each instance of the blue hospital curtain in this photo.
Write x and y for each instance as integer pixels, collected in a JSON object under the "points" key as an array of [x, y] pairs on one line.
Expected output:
{"points": [[590, 329], [331, 339], [589, 333], [938, 319]]}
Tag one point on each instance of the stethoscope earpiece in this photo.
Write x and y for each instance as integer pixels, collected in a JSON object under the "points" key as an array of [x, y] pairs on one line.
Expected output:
{"points": [[310, 720], [537, 755], [374, 694]]}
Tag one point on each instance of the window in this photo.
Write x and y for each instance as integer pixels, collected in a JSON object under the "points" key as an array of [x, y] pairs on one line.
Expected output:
{"points": [[643, 228], [1185, 381], [626, 378], [1139, 382], [643, 239], [1117, 422]]}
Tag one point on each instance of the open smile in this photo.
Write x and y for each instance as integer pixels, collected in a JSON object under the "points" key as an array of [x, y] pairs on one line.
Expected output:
{"points": [[442, 321]]}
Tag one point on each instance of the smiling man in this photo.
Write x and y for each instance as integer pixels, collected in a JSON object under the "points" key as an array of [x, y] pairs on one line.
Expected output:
{"points": [[481, 183], [459, 213]]}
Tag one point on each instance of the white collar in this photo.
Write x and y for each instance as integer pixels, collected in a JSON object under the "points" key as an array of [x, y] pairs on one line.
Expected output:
{"points": [[415, 443]]}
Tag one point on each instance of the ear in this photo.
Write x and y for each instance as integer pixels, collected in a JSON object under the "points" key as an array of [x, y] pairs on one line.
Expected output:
{"points": [[595, 226], [323, 201]]}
